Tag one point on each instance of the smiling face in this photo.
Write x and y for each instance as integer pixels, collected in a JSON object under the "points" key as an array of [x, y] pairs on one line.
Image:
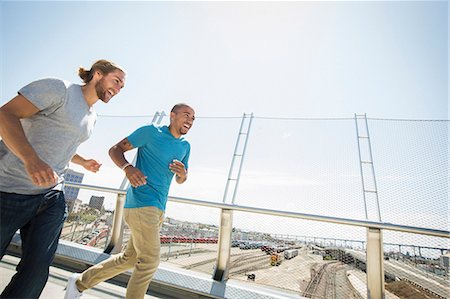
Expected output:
{"points": [[109, 85], [181, 120]]}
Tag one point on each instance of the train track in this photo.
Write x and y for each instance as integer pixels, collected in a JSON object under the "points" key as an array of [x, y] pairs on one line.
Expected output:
{"points": [[322, 283], [249, 262], [240, 263], [330, 288]]}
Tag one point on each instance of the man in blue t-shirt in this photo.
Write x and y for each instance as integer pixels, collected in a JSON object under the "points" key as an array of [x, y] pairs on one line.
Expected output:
{"points": [[162, 153]]}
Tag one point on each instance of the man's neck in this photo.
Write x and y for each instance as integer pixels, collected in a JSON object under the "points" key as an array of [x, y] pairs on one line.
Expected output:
{"points": [[174, 133], [90, 95]]}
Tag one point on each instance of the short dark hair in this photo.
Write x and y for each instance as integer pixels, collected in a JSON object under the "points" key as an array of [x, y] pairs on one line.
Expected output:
{"points": [[179, 106]]}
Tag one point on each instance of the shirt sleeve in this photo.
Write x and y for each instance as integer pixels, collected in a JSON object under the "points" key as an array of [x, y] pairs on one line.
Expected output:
{"points": [[141, 136], [46, 94], [186, 157]]}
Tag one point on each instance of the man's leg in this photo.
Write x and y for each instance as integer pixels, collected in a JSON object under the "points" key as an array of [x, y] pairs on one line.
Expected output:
{"points": [[39, 243], [16, 211], [109, 268], [145, 224]]}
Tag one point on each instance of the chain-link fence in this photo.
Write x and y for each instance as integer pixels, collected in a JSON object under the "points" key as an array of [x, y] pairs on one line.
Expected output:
{"points": [[411, 164], [310, 166]]}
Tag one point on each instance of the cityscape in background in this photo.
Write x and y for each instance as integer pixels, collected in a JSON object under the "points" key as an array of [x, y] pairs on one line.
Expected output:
{"points": [[96, 223]]}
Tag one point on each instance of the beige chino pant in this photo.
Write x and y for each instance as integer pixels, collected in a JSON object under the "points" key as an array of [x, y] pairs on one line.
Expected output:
{"points": [[142, 253]]}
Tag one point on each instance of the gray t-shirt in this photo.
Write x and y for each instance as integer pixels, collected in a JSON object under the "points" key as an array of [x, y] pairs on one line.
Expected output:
{"points": [[55, 132]]}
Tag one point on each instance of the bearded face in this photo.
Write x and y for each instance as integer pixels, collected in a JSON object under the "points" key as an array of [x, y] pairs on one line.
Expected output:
{"points": [[109, 85], [102, 91]]}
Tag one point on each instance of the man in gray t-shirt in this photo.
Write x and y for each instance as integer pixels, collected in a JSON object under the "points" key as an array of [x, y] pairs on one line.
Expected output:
{"points": [[41, 129]]}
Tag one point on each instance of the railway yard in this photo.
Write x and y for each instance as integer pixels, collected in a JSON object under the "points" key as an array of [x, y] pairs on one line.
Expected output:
{"points": [[305, 270]]}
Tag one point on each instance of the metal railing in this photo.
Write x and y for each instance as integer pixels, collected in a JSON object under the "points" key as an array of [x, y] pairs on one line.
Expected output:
{"points": [[374, 240]]}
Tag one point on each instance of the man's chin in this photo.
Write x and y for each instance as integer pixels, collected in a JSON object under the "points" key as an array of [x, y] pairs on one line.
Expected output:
{"points": [[105, 99]]}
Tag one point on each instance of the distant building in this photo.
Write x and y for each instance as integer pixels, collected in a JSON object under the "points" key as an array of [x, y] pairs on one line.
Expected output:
{"points": [[96, 202], [445, 261], [71, 193], [74, 205]]}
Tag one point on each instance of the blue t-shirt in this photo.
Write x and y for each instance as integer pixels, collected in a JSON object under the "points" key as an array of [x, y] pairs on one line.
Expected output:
{"points": [[157, 148]]}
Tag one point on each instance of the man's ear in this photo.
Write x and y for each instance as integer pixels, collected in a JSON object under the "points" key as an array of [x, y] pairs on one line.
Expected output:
{"points": [[97, 75]]}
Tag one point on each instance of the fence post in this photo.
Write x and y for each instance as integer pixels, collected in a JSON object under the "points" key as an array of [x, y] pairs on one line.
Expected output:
{"points": [[374, 264], [115, 244], [223, 257]]}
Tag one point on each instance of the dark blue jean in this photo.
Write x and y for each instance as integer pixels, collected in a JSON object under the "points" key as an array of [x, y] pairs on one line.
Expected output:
{"points": [[40, 219]]}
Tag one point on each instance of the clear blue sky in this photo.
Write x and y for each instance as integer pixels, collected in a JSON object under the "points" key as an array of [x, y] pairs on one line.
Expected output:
{"points": [[289, 59], [311, 59]]}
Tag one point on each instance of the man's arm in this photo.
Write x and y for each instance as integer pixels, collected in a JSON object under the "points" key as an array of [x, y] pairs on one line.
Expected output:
{"points": [[88, 164], [12, 133], [180, 172], [134, 175]]}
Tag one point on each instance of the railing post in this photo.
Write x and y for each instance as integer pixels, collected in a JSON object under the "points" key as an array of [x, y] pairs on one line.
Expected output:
{"points": [[374, 264], [115, 244], [224, 244]]}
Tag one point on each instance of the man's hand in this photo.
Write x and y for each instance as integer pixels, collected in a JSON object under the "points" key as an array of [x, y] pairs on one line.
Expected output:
{"points": [[91, 165], [178, 169], [88, 164], [135, 176], [41, 173]]}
